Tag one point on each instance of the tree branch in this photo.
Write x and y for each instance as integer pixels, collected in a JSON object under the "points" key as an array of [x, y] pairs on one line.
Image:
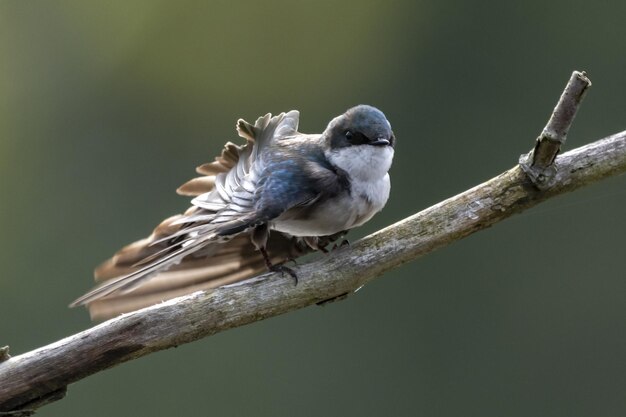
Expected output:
{"points": [[40, 376], [539, 162]]}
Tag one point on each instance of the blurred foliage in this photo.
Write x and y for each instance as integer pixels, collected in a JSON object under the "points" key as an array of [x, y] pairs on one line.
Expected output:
{"points": [[105, 108]]}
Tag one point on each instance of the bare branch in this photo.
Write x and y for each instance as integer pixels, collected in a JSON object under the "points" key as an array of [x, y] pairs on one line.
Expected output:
{"points": [[32, 379], [48, 369], [538, 163]]}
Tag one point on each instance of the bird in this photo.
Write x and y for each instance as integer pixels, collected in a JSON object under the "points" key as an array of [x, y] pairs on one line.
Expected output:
{"points": [[276, 197]]}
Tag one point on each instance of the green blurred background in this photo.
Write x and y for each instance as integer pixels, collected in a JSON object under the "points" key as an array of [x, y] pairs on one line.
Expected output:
{"points": [[106, 107]]}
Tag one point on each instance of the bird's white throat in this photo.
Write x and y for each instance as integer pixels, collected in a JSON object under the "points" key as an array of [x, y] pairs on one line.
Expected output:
{"points": [[363, 162]]}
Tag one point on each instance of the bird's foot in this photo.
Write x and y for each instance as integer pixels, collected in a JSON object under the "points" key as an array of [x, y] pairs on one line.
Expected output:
{"points": [[284, 269], [278, 267]]}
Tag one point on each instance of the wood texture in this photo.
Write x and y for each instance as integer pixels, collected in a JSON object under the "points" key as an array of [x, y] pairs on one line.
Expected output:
{"points": [[539, 162]]}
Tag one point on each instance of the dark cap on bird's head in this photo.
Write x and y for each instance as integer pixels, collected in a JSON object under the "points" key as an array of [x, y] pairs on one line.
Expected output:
{"points": [[360, 125]]}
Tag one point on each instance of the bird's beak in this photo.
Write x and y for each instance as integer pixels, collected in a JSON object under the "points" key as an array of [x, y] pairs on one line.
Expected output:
{"points": [[380, 142]]}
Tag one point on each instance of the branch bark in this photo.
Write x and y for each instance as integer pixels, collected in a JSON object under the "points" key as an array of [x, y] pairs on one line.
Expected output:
{"points": [[32, 379], [539, 162]]}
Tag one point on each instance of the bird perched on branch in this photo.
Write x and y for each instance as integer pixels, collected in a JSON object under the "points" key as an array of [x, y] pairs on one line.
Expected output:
{"points": [[278, 196]]}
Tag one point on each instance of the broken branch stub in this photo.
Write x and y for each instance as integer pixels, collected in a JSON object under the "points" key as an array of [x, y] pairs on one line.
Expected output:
{"points": [[539, 162]]}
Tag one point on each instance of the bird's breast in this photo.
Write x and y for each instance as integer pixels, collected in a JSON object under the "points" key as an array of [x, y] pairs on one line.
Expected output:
{"points": [[342, 212]]}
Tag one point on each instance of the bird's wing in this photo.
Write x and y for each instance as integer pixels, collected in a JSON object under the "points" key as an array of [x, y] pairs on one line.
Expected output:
{"points": [[191, 251]]}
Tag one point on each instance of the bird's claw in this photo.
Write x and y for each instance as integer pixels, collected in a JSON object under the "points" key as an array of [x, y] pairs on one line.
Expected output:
{"points": [[285, 269]]}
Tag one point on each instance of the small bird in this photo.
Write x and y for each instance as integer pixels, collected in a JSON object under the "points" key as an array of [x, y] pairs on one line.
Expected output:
{"points": [[258, 205]]}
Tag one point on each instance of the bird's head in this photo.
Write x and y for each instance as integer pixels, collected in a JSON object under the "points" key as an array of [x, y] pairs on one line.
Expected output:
{"points": [[361, 142], [360, 125]]}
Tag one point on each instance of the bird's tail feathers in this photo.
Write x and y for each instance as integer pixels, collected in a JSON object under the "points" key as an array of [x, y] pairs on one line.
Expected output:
{"points": [[158, 263]]}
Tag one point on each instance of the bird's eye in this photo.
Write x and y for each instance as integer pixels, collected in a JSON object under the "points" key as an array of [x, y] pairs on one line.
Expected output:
{"points": [[356, 137]]}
